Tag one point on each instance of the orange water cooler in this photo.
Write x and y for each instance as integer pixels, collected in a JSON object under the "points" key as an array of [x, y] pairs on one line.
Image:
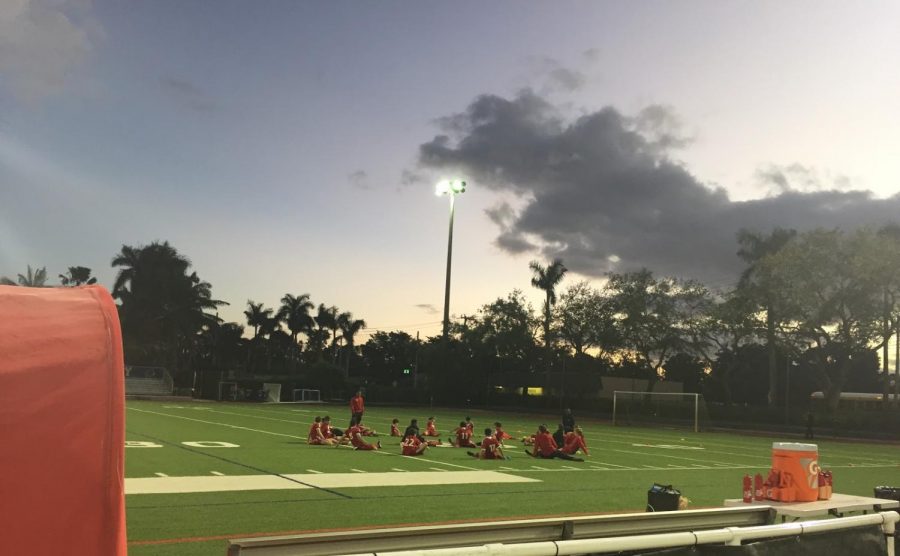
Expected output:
{"points": [[795, 472]]}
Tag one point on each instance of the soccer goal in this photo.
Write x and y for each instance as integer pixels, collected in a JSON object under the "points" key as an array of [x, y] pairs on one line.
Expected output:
{"points": [[306, 395], [659, 408], [228, 391]]}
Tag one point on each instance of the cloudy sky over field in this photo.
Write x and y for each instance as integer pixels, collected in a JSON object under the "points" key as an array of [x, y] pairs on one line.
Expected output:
{"points": [[293, 146]]}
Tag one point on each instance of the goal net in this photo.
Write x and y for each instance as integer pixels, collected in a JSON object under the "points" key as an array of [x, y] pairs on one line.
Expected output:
{"points": [[228, 391], [659, 408], [305, 395]]}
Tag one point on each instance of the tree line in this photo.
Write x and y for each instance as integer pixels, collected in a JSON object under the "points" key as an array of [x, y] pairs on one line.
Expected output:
{"points": [[822, 303]]}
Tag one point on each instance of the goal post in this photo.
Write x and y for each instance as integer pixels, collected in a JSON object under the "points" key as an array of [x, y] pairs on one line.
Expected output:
{"points": [[307, 395], [669, 408]]}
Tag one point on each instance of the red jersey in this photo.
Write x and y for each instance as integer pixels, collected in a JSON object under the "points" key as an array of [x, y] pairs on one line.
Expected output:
{"points": [[489, 448], [544, 444], [395, 431], [464, 437], [430, 430], [326, 430], [410, 445], [501, 434], [356, 437], [313, 437], [357, 405], [574, 443], [471, 426]]}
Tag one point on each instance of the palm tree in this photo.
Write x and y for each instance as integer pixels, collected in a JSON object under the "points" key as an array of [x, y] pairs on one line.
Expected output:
{"points": [[162, 306], [326, 319], [754, 248], [77, 276], [294, 312], [33, 279], [349, 328], [257, 316], [547, 279]]}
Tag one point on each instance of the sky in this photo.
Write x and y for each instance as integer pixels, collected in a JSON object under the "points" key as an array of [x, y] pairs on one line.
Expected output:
{"points": [[293, 147]]}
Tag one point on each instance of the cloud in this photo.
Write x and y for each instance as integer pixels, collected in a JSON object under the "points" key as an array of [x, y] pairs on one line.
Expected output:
{"points": [[40, 42], [603, 191], [359, 179], [796, 177], [554, 76], [188, 95], [427, 307]]}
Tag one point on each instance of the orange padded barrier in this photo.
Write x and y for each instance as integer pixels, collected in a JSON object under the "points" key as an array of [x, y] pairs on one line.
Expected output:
{"points": [[62, 423]]}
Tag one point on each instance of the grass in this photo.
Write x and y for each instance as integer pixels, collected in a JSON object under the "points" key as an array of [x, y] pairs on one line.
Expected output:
{"points": [[623, 464]]}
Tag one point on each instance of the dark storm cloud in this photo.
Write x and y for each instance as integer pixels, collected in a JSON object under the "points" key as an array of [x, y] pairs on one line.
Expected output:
{"points": [[603, 191], [427, 307]]}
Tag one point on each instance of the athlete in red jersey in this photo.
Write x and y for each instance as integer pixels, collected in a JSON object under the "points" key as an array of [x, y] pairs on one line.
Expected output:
{"points": [[471, 426], [429, 428], [463, 437], [317, 436], [499, 433], [490, 447], [412, 445], [575, 442], [357, 407], [357, 441], [395, 427], [545, 447]]}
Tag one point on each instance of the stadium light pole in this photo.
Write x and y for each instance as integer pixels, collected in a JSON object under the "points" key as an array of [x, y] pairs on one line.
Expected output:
{"points": [[452, 188]]}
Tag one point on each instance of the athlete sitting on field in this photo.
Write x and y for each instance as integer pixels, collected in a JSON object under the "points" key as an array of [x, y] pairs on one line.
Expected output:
{"points": [[329, 432], [395, 427], [412, 445], [355, 434], [470, 425], [490, 447], [545, 447], [463, 437], [574, 442], [366, 431], [528, 440], [316, 437], [499, 433], [429, 428]]}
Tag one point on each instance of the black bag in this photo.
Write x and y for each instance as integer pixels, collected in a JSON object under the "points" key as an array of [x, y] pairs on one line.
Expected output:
{"points": [[888, 493], [662, 498]]}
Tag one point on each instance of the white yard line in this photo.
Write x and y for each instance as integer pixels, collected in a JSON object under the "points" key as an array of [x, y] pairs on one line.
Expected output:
{"points": [[439, 469], [217, 473], [313, 471], [357, 470], [219, 424], [172, 485], [160, 474], [399, 470]]}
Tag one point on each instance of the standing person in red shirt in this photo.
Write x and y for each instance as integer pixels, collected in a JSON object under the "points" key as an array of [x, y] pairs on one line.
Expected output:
{"points": [[463, 437], [357, 441], [412, 445], [545, 447], [490, 447], [575, 442], [357, 407], [430, 430], [395, 427]]}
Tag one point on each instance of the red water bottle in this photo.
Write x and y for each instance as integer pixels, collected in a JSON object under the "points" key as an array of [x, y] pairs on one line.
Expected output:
{"points": [[748, 489], [758, 493]]}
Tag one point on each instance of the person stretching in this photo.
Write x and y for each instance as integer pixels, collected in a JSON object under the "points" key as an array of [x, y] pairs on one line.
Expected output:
{"points": [[430, 430], [545, 447], [463, 437], [490, 447], [574, 442], [356, 439], [395, 427], [412, 445]]}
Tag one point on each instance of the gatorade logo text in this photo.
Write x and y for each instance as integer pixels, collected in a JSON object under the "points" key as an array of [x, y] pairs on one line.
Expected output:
{"points": [[812, 471]]}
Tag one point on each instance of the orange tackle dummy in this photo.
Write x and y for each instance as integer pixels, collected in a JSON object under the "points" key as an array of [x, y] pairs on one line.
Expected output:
{"points": [[62, 419]]}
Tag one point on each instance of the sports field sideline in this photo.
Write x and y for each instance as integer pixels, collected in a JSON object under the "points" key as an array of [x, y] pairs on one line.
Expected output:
{"points": [[200, 473]]}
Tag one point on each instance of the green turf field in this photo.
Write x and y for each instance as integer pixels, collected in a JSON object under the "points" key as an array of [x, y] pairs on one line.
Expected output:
{"points": [[270, 440]]}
